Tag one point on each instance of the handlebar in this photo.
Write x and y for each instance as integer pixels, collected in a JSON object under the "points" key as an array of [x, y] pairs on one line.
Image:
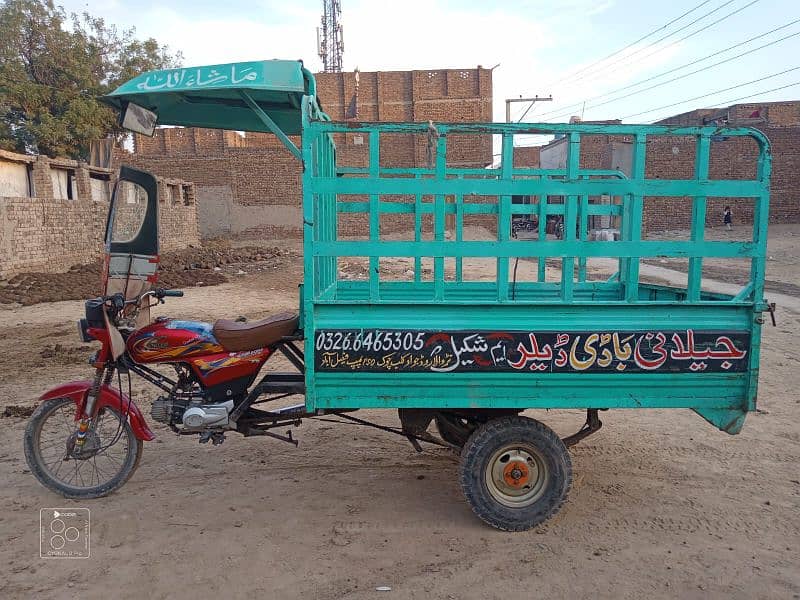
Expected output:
{"points": [[115, 304], [118, 301], [161, 293]]}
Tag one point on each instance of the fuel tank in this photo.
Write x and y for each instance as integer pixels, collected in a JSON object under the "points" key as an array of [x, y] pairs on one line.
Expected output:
{"points": [[193, 343], [172, 340]]}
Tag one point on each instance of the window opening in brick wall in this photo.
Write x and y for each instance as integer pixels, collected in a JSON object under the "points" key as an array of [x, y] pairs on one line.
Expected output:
{"points": [[31, 186], [16, 180], [63, 183], [71, 189], [100, 186], [174, 193]]}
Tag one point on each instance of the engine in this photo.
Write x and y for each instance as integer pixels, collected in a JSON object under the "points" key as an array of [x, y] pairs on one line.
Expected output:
{"points": [[191, 413], [168, 410]]}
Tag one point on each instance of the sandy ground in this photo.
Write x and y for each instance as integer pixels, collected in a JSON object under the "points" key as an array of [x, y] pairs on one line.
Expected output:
{"points": [[663, 505]]}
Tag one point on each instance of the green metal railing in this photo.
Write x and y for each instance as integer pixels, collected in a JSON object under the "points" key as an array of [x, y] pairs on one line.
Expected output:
{"points": [[328, 192]]}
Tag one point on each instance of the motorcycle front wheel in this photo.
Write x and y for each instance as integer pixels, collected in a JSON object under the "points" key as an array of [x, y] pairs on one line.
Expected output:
{"points": [[106, 460]]}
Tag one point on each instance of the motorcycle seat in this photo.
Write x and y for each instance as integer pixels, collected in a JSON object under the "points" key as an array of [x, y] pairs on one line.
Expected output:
{"points": [[236, 336]]}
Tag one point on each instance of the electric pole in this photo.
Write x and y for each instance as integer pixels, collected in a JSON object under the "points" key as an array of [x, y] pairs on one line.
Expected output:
{"points": [[532, 101]]}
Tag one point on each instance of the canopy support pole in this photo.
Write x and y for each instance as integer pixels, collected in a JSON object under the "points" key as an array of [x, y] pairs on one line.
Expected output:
{"points": [[271, 124]]}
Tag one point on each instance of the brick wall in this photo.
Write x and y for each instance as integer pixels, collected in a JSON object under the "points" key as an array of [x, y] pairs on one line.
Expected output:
{"points": [[735, 158], [45, 233], [526, 157], [673, 157], [249, 186]]}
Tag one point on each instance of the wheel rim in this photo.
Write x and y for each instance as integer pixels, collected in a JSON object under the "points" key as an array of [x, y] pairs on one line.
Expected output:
{"points": [[84, 469], [517, 475]]}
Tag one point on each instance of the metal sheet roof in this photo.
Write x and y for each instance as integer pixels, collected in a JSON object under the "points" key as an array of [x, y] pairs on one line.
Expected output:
{"points": [[211, 96]]}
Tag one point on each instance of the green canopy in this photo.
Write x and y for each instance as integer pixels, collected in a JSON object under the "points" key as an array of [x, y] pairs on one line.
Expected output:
{"points": [[235, 96]]}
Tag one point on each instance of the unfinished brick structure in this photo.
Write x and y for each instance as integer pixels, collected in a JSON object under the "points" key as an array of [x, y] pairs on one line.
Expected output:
{"points": [[736, 158], [731, 158], [53, 213], [248, 186]]}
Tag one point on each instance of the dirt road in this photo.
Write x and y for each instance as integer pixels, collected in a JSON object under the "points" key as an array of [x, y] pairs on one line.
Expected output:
{"points": [[663, 505]]}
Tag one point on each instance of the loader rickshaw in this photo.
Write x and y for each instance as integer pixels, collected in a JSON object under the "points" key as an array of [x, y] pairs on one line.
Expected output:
{"points": [[461, 358]]}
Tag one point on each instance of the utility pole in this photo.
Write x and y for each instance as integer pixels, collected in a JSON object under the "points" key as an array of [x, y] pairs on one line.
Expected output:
{"points": [[532, 101], [330, 40]]}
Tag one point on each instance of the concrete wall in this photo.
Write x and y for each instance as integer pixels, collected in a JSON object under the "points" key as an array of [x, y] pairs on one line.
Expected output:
{"points": [[248, 187], [48, 232]]}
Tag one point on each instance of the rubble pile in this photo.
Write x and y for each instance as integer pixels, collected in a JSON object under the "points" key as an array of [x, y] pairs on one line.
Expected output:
{"points": [[210, 264]]}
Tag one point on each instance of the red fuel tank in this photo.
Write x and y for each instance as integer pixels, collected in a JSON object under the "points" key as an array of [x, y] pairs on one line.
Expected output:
{"points": [[193, 342], [172, 340]]}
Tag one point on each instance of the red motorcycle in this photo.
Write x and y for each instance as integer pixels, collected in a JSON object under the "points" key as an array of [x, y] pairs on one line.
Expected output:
{"points": [[85, 438]]}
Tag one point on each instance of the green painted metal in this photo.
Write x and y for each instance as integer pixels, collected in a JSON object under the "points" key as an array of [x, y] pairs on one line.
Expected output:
{"points": [[280, 96], [269, 123], [211, 96], [439, 303]]}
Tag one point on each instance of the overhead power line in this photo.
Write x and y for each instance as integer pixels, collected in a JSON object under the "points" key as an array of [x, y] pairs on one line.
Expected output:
{"points": [[695, 72], [689, 64], [644, 37], [670, 45], [727, 89]]}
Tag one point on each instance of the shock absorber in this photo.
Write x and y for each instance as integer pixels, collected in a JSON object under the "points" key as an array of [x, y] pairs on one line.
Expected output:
{"points": [[91, 399]]}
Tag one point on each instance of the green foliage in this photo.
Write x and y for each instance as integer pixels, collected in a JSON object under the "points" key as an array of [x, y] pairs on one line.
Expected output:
{"points": [[52, 69]]}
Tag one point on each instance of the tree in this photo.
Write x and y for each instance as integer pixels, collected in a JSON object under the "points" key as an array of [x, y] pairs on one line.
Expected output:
{"points": [[52, 70]]}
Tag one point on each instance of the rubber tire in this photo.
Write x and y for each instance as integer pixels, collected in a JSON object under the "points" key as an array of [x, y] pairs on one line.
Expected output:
{"points": [[129, 466], [486, 440]]}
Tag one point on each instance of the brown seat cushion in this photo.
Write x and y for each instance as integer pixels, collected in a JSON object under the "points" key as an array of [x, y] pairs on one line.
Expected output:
{"points": [[239, 337]]}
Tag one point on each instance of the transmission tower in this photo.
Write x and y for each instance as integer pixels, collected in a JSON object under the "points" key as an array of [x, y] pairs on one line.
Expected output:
{"points": [[330, 43]]}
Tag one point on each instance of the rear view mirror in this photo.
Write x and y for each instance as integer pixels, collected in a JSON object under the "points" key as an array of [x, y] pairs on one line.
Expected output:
{"points": [[138, 119]]}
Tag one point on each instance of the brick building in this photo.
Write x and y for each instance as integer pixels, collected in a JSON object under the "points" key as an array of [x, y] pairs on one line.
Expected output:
{"points": [[248, 186], [736, 158], [731, 158], [53, 213]]}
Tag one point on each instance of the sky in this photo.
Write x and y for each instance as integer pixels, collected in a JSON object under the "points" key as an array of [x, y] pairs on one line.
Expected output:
{"points": [[543, 47]]}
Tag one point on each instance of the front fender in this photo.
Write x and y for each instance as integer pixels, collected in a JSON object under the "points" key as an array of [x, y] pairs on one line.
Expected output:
{"points": [[77, 390]]}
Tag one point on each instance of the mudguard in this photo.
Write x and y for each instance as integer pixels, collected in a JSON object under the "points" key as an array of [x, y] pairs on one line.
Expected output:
{"points": [[76, 390]]}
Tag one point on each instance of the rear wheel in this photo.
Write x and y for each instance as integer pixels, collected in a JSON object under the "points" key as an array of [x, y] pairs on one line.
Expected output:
{"points": [[515, 473], [107, 459]]}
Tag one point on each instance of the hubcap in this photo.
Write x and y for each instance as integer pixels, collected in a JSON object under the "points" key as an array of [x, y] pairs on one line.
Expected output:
{"points": [[516, 476], [90, 446]]}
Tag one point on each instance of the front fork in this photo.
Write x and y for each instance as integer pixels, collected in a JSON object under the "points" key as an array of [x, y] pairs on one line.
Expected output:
{"points": [[103, 375]]}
